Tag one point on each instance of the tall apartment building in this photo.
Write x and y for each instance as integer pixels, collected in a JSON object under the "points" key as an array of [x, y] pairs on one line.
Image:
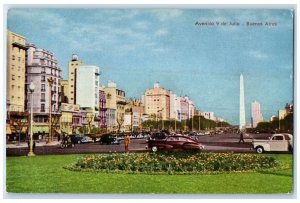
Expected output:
{"points": [[87, 87], [41, 66], [157, 102], [15, 72], [72, 66], [256, 115]]}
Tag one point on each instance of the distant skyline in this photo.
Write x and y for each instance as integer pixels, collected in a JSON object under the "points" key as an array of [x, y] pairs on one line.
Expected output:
{"points": [[180, 48]]}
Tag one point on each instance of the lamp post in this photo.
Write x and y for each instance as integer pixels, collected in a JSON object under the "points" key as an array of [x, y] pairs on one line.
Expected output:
{"points": [[31, 88]]}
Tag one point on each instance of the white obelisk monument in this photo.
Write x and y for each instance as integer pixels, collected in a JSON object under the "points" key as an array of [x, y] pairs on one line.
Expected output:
{"points": [[242, 104]]}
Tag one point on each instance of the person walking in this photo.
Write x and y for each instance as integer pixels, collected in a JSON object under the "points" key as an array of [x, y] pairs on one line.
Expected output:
{"points": [[241, 137], [126, 142]]}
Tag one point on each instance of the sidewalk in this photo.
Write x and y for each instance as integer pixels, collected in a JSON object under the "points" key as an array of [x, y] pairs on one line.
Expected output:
{"points": [[37, 144]]}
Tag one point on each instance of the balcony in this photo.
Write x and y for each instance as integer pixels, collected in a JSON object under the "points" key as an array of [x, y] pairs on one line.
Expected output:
{"points": [[20, 46]]}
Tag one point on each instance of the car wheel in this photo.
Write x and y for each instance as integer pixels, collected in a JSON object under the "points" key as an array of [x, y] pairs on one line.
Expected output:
{"points": [[259, 150], [154, 149]]}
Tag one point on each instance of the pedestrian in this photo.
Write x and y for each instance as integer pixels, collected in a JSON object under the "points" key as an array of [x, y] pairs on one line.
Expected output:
{"points": [[241, 137], [58, 137], [126, 142]]}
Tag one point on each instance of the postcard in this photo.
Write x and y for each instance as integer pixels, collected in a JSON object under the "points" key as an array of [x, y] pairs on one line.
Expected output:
{"points": [[162, 101]]}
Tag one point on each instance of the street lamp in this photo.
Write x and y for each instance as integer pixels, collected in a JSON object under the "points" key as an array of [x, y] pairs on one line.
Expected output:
{"points": [[31, 88]]}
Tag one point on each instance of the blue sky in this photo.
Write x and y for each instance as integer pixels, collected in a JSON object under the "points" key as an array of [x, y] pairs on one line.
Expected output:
{"points": [[137, 47]]}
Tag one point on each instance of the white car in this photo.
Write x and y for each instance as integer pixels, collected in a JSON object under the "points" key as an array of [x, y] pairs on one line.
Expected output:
{"points": [[278, 142]]}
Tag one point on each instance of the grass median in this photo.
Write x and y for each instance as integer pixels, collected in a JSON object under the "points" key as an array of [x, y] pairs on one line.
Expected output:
{"points": [[45, 174]]}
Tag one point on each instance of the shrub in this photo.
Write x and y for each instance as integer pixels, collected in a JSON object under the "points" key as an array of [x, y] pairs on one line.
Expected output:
{"points": [[174, 163]]}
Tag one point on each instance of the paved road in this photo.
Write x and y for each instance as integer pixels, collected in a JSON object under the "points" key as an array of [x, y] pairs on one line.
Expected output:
{"points": [[212, 143]]}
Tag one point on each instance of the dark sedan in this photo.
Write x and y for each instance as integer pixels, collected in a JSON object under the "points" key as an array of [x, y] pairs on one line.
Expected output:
{"points": [[175, 142], [109, 139]]}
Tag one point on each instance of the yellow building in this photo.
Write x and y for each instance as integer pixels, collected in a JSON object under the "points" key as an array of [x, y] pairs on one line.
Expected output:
{"points": [[72, 65], [15, 80], [282, 114], [66, 119], [157, 102]]}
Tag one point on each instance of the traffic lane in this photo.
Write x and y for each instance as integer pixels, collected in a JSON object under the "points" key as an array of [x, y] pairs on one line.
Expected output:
{"points": [[88, 148]]}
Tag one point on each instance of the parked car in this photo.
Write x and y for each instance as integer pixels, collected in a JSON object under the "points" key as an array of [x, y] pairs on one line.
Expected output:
{"points": [[278, 142], [173, 143], [86, 139], [76, 139], [109, 139]]}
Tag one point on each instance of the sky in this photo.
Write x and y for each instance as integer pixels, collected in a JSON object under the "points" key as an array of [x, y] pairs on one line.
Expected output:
{"points": [[179, 48]]}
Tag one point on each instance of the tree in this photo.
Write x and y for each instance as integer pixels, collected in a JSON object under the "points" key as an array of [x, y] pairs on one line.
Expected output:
{"points": [[120, 121]]}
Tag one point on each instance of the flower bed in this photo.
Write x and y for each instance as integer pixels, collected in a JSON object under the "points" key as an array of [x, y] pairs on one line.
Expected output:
{"points": [[174, 163]]}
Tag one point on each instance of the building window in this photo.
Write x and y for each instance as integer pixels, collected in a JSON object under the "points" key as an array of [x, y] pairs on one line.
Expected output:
{"points": [[13, 57], [43, 87], [43, 78], [42, 107], [72, 73], [12, 67], [19, 59], [42, 96], [13, 77], [12, 87]]}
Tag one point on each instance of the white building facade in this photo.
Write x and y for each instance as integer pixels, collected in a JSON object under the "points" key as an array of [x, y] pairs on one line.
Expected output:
{"points": [[87, 87]]}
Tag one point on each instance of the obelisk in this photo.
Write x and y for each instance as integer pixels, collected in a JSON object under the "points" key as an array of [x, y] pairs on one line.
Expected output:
{"points": [[242, 104]]}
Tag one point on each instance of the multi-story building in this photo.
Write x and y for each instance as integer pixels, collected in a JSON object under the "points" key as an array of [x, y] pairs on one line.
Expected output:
{"points": [[102, 108], [134, 111], [209, 115], [120, 111], [157, 102], [191, 108], [87, 87], [256, 115], [184, 108], [64, 91], [69, 116], [175, 107], [111, 105], [72, 66], [41, 69], [15, 70]]}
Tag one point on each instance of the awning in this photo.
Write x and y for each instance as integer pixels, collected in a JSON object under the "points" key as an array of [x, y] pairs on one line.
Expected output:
{"points": [[40, 129]]}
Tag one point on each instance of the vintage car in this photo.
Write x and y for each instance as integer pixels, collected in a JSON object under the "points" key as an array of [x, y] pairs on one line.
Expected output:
{"points": [[109, 139], [278, 142], [174, 143]]}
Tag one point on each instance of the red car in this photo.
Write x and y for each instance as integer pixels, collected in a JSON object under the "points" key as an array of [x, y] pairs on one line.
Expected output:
{"points": [[175, 142]]}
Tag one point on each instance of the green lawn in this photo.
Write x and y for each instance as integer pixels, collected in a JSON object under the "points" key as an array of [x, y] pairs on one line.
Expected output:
{"points": [[45, 174]]}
